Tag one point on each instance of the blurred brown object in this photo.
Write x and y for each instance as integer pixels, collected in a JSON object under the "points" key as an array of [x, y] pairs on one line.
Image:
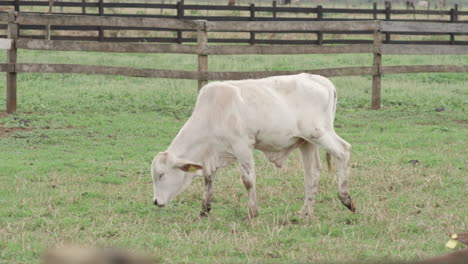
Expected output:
{"points": [[462, 237], [231, 2], [76, 255], [456, 257]]}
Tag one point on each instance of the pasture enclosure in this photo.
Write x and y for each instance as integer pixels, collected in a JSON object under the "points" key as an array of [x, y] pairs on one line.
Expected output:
{"points": [[74, 161], [203, 28], [74, 167]]}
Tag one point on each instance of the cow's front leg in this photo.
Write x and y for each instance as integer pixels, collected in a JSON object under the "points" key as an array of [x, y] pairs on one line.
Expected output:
{"points": [[207, 196], [311, 165], [247, 167]]}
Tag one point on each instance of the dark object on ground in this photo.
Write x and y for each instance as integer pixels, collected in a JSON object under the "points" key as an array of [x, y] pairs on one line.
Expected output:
{"points": [[462, 238], [440, 109], [415, 162], [22, 122], [75, 255], [456, 257]]}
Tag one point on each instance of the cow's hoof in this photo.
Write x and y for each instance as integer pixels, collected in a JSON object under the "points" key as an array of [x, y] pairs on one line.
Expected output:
{"points": [[305, 212], [347, 201], [204, 214], [253, 212], [351, 206], [249, 219], [251, 216]]}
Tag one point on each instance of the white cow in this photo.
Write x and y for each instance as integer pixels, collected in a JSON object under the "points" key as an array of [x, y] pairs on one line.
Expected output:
{"points": [[275, 115], [424, 4]]}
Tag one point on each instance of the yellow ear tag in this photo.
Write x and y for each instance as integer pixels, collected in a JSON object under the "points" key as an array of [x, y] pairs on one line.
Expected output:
{"points": [[192, 169], [452, 243]]}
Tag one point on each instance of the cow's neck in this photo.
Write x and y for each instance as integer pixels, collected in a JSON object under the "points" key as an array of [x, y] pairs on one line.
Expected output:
{"points": [[194, 143]]}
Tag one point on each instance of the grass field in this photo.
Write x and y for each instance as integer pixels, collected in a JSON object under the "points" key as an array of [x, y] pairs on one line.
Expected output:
{"points": [[75, 159]]}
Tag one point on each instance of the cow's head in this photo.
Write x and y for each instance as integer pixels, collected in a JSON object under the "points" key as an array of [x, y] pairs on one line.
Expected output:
{"points": [[171, 175]]}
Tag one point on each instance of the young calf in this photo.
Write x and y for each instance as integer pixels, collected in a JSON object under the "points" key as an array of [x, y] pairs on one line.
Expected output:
{"points": [[275, 115]]}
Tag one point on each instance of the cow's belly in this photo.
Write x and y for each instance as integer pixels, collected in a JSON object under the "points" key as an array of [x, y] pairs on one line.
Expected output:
{"points": [[275, 141], [272, 128]]}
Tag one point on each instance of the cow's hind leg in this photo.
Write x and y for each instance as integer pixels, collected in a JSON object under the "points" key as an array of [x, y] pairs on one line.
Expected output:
{"points": [[207, 196], [341, 150], [311, 165]]}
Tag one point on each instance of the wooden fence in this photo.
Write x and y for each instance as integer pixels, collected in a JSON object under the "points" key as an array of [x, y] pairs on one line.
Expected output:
{"points": [[203, 50], [233, 13], [274, 12]]}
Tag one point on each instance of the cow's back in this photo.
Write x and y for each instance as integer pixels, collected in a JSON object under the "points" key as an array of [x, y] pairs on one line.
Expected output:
{"points": [[293, 97], [275, 111], [288, 89]]}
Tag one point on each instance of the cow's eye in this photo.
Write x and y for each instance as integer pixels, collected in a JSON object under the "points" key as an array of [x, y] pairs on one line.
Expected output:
{"points": [[160, 176]]}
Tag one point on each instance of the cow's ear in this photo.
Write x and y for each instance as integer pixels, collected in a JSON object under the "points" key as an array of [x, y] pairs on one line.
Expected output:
{"points": [[189, 166]]}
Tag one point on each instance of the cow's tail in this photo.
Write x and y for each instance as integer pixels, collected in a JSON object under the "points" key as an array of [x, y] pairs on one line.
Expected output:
{"points": [[332, 106], [329, 162]]}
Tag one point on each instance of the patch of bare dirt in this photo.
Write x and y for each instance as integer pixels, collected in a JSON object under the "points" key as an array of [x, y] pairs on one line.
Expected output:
{"points": [[461, 122], [428, 123], [4, 114], [352, 125], [6, 131]]}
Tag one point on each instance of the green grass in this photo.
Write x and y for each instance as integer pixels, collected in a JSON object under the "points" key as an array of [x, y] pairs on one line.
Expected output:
{"points": [[74, 167]]}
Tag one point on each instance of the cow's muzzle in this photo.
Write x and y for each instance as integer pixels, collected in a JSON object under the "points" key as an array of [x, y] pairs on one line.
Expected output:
{"points": [[155, 202]]}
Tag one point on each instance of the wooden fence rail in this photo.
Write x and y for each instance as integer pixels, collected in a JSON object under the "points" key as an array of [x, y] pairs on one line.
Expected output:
{"points": [[238, 13], [202, 48], [389, 49], [241, 26], [271, 13]]}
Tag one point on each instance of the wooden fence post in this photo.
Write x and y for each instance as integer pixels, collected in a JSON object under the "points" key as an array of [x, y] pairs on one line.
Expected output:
{"points": [[252, 18], [319, 17], [388, 10], [17, 6], [83, 8], [274, 8], [376, 79], [180, 15], [12, 55], [453, 18], [101, 13], [48, 27], [375, 11], [202, 41]]}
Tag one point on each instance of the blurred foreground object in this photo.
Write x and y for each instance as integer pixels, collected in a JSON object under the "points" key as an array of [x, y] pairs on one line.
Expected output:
{"points": [[460, 237], [75, 255], [456, 257]]}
